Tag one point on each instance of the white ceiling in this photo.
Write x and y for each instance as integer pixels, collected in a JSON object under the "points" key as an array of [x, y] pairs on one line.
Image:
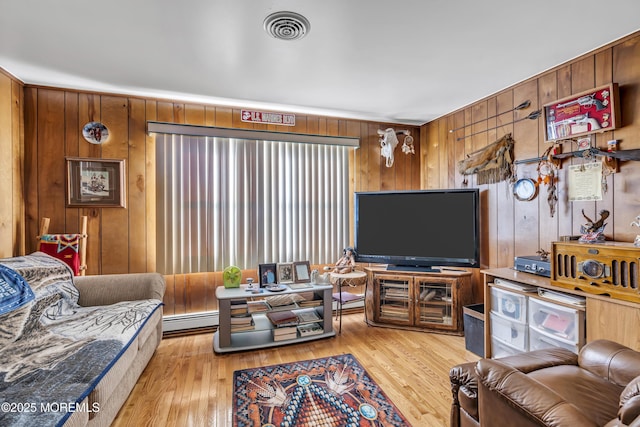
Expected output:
{"points": [[403, 61]]}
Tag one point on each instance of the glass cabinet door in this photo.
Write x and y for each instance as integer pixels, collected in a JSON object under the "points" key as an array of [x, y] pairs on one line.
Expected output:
{"points": [[435, 303], [395, 301]]}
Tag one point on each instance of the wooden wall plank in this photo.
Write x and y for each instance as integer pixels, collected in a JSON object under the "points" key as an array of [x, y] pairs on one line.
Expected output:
{"points": [[150, 188], [17, 136], [71, 149], [31, 167], [7, 173], [603, 69], [114, 251], [564, 209], [362, 159], [51, 166], [548, 225], [89, 110], [582, 78], [525, 134], [137, 186], [194, 114]]}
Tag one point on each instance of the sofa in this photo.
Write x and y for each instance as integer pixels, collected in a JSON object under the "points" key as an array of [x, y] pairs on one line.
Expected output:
{"points": [[550, 387], [72, 348]]}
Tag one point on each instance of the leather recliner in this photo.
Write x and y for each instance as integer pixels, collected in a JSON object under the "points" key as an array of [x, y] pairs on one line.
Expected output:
{"points": [[550, 387]]}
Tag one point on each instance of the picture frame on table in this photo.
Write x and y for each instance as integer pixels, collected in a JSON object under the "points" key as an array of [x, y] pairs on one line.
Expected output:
{"points": [[93, 182], [267, 274], [285, 272], [301, 272]]}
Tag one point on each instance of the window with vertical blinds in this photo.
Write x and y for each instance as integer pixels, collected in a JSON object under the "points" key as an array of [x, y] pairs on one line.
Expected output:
{"points": [[226, 201]]}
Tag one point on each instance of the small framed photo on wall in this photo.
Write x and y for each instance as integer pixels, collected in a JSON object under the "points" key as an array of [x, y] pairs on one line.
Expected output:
{"points": [[301, 272], [285, 272], [267, 274]]}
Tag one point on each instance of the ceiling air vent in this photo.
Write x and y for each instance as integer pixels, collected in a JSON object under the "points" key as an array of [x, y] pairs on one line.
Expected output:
{"points": [[286, 25]]}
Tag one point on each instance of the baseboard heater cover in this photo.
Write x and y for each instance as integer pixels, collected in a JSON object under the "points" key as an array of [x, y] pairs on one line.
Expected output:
{"points": [[180, 322]]}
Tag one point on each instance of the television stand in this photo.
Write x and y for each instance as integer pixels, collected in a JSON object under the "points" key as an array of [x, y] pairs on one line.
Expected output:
{"points": [[418, 300], [420, 268]]}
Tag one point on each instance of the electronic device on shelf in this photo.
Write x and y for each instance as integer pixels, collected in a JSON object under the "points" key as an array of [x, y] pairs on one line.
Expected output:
{"points": [[533, 264], [417, 230]]}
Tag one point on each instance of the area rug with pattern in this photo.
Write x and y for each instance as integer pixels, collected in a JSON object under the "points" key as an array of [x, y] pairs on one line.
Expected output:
{"points": [[333, 391]]}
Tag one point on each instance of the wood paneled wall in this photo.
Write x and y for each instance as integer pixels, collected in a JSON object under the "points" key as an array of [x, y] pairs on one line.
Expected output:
{"points": [[12, 231], [512, 228], [123, 240]]}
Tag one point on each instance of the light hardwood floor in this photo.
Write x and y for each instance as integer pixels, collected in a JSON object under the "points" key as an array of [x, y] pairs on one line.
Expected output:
{"points": [[187, 384]]}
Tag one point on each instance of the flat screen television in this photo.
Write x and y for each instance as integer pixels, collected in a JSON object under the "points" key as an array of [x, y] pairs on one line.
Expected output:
{"points": [[418, 230]]}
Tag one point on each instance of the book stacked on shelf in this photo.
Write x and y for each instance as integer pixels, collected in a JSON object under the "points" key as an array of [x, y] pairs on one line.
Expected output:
{"points": [[310, 329], [283, 302], [239, 307], [285, 324], [284, 318], [307, 315], [432, 314], [310, 303], [242, 323], [259, 306], [396, 294], [287, 333], [309, 299], [394, 311]]}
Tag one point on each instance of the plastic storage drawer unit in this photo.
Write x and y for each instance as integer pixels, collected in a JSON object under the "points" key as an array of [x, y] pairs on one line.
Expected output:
{"points": [[510, 332], [501, 349], [509, 304], [557, 320], [539, 339]]}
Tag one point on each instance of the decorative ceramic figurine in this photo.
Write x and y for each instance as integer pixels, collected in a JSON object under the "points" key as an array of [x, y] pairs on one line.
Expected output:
{"points": [[593, 232]]}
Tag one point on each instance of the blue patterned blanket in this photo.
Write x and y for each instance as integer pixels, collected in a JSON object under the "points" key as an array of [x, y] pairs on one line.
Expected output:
{"points": [[53, 352]]}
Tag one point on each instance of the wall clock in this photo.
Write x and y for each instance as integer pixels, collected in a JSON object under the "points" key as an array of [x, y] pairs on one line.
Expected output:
{"points": [[525, 189]]}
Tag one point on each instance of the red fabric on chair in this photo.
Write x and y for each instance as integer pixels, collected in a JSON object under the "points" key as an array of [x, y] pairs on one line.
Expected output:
{"points": [[65, 247]]}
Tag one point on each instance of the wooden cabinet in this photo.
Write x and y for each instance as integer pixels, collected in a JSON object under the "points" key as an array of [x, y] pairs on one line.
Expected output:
{"points": [[262, 333], [417, 300]]}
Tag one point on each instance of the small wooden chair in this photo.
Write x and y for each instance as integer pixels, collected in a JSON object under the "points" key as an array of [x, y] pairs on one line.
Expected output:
{"points": [[70, 248]]}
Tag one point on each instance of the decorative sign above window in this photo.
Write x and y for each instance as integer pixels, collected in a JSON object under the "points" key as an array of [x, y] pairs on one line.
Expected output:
{"points": [[585, 113], [266, 117]]}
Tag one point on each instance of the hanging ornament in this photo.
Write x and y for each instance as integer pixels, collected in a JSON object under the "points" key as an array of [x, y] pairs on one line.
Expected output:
{"points": [[547, 175]]}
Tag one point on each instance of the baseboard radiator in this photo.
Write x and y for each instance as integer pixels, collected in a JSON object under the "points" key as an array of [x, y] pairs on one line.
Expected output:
{"points": [[181, 322], [211, 319]]}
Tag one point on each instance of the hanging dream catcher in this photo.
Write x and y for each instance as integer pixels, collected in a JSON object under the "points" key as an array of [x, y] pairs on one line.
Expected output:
{"points": [[547, 175]]}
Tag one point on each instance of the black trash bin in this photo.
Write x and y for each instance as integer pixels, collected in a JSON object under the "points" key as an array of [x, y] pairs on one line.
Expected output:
{"points": [[474, 328]]}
